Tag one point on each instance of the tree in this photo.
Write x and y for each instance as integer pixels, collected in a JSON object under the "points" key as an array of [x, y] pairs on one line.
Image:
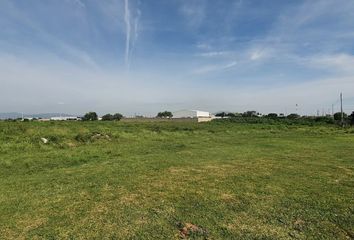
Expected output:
{"points": [[107, 117], [90, 116], [250, 114], [165, 114], [272, 115], [231, 114], [220, 114], [338, 116], [293, 116], [110, 117], [117, 116], [352, 119]]}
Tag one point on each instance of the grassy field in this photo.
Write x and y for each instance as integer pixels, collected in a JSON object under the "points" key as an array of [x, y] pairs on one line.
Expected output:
{"points": [[167, 180]]}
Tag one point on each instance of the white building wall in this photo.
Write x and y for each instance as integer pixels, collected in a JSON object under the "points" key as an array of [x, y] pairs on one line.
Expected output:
{"points": [[190, 114], [63, 118], [203, 114], [184, 114]]}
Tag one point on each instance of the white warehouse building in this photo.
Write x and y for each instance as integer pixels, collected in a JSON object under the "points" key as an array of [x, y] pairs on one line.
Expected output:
{"points": [[64, 118], [200, 115]]}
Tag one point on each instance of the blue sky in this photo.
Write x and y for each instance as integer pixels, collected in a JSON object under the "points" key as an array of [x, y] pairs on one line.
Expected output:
{"points": [[143, 56]]}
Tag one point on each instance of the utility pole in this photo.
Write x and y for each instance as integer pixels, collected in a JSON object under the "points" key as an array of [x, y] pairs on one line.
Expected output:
{"points": [[332, 109], [341, 110]]}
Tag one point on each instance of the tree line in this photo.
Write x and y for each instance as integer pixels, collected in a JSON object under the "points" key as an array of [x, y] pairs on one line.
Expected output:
{"points": [[92, 116], [248, 116], [336, 118]]}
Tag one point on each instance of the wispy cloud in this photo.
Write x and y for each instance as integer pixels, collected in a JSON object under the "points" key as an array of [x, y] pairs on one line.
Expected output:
{"points": [[214, 68], [343, 63], [41, 33], [203, 46], [256, 54], [79, 3], [128, 31], [132, 28], [136, 26], [214, 54], [194, 12]]}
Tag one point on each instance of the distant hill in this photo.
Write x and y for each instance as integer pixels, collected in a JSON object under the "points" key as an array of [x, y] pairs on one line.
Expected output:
{"points": [[14, 115]]}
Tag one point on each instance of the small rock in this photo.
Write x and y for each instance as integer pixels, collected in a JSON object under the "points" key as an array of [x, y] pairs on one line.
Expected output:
{"points": [[44, 140]]}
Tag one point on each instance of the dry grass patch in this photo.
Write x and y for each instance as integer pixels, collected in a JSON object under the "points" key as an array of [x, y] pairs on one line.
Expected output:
{"points": [[247, 225]]}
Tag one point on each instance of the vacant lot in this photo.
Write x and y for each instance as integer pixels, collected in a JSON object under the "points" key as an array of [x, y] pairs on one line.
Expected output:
{"points": [[166, 180]]}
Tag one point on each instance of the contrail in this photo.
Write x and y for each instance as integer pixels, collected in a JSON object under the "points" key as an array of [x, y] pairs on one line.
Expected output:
{"points": [[128, 29], [132, 24], [136, 24], [136, 27]]}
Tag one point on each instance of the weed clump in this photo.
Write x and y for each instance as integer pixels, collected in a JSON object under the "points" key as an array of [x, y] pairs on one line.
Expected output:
{"points": [[91, 137], [84, 138], [189, 230], [156, 129]]}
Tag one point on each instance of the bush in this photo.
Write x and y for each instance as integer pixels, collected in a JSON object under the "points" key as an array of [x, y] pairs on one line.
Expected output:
{"points": [[84, 138], [239, 119], [117, 116], [338, 116], [351, 117], [220, 114], [107, 117], [90, 116], [250, 114], [165, 114], [309, 121], [272, 115], [110, 117], [293, 116], [324, 119]]}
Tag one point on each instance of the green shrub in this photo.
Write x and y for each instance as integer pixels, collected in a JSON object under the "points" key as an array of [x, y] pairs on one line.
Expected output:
{"points": [[165, 114], [338, 116], [309, 121], [110, 117], [90, 116], [83, 138]]}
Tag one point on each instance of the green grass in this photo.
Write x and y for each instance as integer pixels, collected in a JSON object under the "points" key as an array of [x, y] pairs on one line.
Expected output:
{"points": [[116, 180]]}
